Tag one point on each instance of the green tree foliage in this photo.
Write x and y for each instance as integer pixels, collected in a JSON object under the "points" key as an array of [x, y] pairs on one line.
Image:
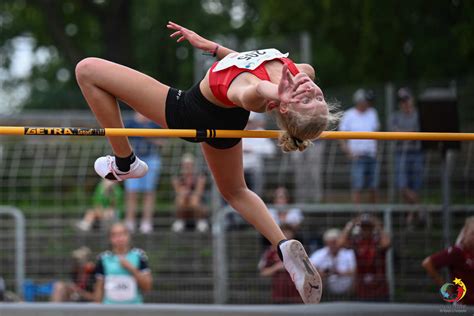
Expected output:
{"points": [[369, 40], [354, 41], [131, 32]]}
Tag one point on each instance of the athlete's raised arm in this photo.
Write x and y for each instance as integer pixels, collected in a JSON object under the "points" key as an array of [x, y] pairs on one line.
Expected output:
{"points": [[184, 34], [289, 90]]}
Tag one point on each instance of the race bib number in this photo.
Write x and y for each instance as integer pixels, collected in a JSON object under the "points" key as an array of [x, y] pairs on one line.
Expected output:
{"points": [[120, 288], [249, 60]]}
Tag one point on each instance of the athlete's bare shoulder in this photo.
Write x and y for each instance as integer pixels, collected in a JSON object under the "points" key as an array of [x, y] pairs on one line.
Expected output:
{"points": [[307, 69]]}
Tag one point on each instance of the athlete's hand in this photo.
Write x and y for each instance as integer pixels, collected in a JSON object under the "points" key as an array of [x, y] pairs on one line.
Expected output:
{"points": [[126, 264], [303, 85], [184, 34], [287, 87]]}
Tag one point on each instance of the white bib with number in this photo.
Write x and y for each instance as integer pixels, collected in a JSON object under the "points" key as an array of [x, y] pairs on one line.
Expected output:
{"points": [[120, 288], [249, 60]]}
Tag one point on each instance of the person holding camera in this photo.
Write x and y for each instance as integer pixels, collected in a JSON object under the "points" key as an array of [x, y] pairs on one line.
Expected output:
{"points": [[365, 235]]}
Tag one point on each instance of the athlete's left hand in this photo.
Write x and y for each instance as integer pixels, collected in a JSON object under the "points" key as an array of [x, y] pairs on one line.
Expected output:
{"points": [[303, 85], [287, 87], [184, 34]]}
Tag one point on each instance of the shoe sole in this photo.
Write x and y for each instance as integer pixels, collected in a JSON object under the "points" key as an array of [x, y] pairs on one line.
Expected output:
{"points": [[312, 286]]}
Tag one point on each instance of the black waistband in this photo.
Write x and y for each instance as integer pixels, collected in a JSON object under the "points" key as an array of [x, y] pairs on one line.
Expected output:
{"points": [[195, 95]]}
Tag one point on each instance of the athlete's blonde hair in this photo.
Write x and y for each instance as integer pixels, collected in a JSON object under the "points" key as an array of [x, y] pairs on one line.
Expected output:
{"points": [[303, 127]]}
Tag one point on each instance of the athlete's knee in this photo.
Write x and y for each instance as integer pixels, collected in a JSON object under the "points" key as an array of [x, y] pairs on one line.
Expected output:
{"points": [[232, 194], [85, 69]]}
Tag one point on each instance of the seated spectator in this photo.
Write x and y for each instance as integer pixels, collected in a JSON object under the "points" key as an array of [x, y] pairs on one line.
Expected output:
{"points": [[107, 202], [370, 243], [282, 212], [270, 265], [122, 274], [459, 259], [336, 265], [189, 190], [81, 286]]}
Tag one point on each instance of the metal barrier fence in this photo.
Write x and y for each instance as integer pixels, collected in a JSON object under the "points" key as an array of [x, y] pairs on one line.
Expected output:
{"points": [[19, 244], [222, 267]]}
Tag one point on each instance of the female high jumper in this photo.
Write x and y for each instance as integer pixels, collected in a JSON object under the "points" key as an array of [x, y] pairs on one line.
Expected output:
{"points": [[259, 81]]}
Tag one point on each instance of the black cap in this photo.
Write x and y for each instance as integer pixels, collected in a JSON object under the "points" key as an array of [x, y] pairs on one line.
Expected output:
{"points": [[404, 94], [370, 95], [366, 220], [362, 95]]}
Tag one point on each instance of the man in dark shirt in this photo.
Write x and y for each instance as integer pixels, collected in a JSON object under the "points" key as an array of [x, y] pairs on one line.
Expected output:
{"points": [[408, 154], [459, 259]]}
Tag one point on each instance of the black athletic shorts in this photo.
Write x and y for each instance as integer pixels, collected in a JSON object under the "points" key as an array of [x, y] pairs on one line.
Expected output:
{"points": [[191, 110]]}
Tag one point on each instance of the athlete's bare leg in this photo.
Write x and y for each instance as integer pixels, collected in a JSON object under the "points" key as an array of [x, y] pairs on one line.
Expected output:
{"points": [[227, 170], [103, 82]]}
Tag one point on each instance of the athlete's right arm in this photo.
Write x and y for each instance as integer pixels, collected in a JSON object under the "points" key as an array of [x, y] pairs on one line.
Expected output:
{"points": [[252, 96], [198, 41]]}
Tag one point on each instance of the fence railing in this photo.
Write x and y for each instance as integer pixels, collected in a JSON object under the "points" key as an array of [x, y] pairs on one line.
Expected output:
{"points": [[19, 244], [222, 267]]}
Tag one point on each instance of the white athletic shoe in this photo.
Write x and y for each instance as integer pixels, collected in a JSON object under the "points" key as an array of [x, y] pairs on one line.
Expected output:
{"points": [[178, 226], [83, 226], [130, 226], [146, 227], [107, 169], [305, 277], [202, 226]]}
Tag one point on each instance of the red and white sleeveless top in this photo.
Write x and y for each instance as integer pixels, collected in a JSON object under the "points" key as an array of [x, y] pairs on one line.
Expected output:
{"points": [[223, 72]]}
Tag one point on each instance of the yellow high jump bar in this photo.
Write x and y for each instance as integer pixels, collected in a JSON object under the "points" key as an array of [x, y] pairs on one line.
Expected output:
{"points": [[212, 133]]}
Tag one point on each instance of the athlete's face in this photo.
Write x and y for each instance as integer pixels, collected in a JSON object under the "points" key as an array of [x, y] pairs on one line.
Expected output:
{"points": [[119, 237], [309, 94]]}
